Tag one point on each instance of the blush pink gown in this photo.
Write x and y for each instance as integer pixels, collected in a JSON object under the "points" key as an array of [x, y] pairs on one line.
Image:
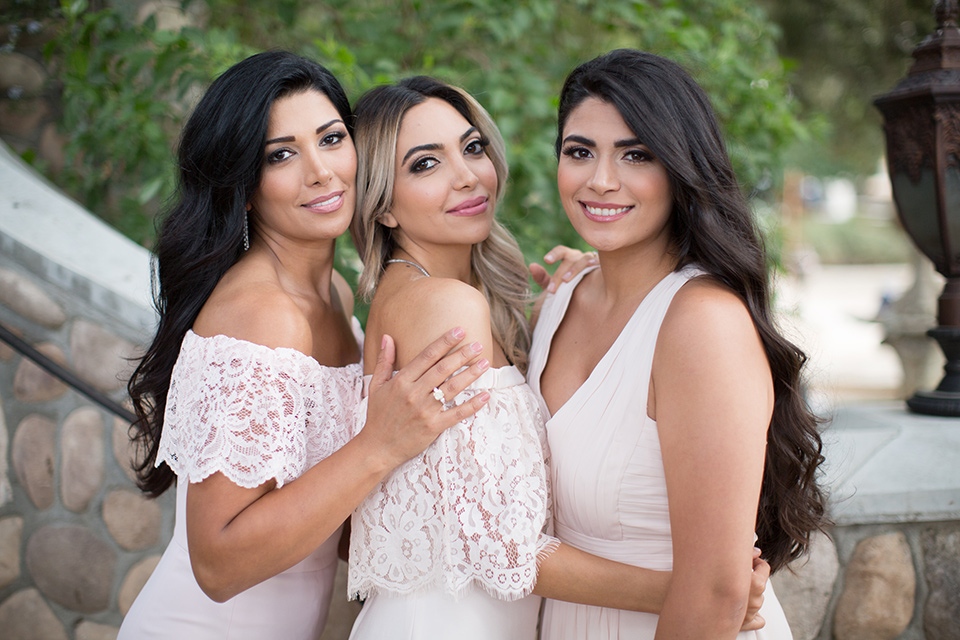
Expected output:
{"points": [[609, 491]]}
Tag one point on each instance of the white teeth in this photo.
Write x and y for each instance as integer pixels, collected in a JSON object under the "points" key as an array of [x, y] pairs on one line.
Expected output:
{"points": [[605, 212], [327, 202]]}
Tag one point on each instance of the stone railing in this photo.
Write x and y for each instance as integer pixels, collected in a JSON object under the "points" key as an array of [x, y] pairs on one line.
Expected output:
{"points": [[77, 541], [890, 567]]}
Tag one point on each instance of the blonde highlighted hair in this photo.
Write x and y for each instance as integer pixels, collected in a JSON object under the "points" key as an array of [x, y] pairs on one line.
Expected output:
{"points": [[499, 271]]}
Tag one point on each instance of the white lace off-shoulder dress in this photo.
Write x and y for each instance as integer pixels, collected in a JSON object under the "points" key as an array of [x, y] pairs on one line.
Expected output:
{"points": [[254, 414], [447, 546]]}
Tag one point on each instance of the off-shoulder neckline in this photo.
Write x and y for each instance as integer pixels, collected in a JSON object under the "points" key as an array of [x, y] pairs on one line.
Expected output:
{"points": [[261, 347]]}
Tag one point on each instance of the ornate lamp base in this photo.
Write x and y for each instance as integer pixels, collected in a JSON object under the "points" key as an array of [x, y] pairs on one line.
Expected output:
{"points": [[945, 401]]}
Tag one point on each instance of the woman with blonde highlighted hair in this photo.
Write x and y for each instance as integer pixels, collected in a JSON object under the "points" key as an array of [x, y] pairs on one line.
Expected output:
{"points": [[498, 267], [454, 542]]}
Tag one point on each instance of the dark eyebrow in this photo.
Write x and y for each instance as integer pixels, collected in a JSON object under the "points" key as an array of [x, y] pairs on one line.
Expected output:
{"points": [[433, 146], [580, 140], [320, 129], [423, 147], [632, 142]]}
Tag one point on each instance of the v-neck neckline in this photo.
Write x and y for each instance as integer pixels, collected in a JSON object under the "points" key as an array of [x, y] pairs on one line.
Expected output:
{"points": [[579, 391]]}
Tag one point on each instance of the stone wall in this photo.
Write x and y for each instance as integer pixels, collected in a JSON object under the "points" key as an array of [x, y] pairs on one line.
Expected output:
{"points": [[877, 582], [29, 105], [77, 541], [890, 567]]}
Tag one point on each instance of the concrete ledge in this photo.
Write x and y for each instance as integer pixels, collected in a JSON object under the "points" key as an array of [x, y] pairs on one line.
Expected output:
{"points": [[60, 242], [887, 465]]}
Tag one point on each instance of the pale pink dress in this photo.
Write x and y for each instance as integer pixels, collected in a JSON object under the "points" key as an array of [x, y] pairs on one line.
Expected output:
{"points": [[609, 491], [254, 414]]}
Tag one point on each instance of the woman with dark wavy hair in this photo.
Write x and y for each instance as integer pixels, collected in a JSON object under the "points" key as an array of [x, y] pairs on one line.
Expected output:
{"points": [[247, 396], [677, 428]]}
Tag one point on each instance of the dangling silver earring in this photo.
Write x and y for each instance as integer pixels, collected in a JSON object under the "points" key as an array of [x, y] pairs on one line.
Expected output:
{"points": [[246, 235]]}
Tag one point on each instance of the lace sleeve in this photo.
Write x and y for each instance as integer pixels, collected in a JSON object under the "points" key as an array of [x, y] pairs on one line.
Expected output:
{"points": [[470, 511], [237, 408]]}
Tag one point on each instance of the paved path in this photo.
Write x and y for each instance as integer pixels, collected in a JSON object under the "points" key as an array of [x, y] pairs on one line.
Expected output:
{"points": [[829, 314]]}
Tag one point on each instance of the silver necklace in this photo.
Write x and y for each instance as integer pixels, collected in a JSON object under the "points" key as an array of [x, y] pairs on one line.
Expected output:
{"points": [[412, 264]]}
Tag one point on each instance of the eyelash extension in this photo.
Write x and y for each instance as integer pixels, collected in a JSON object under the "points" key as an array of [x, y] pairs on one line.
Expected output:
{"points": [[415, 165], [272, 157], [644, 155], [483, 143], [569, 151]]}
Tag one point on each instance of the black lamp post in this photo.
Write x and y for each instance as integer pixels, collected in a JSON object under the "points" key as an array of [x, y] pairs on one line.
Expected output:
{"points": [[922, 122]]}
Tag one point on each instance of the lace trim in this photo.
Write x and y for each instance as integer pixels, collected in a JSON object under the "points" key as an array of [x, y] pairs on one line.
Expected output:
{"points": [[254, 413], [468, 512]]}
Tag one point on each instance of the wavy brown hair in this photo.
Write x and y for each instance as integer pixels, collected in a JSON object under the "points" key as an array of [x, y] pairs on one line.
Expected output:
{"points": [[713, 227], [200, 237]]}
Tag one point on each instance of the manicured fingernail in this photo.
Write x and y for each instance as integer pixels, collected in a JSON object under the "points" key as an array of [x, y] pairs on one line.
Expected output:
{"points": [[548, 257], [383, 342], [551, 287], [476, 347], [593, 260], [483, 364], [458, 333], [484, 397], [567, 276]]}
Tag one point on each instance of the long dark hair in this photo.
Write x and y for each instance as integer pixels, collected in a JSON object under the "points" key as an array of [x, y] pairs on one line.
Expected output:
{"points": [[220, 161], [712, 226]]}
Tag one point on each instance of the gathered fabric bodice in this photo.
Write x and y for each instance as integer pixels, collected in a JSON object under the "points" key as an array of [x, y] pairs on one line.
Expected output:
{"points": [[610, 492], [470, 511]]}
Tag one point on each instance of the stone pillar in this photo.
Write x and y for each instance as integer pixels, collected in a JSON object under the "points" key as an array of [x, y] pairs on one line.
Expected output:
{"points": [[906, 321]]}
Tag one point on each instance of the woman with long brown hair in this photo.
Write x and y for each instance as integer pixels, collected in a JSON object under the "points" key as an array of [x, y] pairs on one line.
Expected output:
{"points": [[676, 424]]}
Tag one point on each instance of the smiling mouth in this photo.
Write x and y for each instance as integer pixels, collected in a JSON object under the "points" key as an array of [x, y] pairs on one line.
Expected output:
{"points": [[471, 207], [326, 204], [604, 212]]}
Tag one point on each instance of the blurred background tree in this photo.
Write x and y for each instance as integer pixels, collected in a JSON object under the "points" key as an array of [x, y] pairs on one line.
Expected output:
{"points": [[842, 56], [127, 81]]}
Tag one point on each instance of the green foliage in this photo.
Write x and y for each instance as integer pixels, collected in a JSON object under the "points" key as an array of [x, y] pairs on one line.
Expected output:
{"points": [[127, 87], [513, 58], [852, 51]]}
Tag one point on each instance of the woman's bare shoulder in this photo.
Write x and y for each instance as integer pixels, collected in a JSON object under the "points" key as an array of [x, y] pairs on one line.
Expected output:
{"points": [[260, 312], [707, 322], [418, 312]]}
